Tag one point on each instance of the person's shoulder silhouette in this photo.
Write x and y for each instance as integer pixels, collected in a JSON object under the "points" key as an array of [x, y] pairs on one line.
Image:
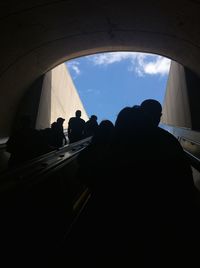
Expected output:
{"points": [[152, 109], [168, 153], [104, 133]]}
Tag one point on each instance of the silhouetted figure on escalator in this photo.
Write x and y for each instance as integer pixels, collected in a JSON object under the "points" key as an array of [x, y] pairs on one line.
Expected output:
{"points": [[95, 156], [166, 150], [58, 136], [91, 126], [111, 223], [172, 188], [55, 136], [76, 128], [104, 133], [142, 213]]}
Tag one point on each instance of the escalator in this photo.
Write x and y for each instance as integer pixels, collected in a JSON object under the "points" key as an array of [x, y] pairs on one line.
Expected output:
{"points": [[39, 202], [43, 204]]}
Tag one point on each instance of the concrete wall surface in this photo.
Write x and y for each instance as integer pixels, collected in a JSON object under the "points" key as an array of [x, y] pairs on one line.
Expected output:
{"points": [[59, 98], [181, 105], [176, 109]]}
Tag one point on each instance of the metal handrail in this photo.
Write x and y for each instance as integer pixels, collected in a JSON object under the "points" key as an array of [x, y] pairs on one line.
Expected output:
{"points": [[39, 166], [189, 140], [194, 161]]}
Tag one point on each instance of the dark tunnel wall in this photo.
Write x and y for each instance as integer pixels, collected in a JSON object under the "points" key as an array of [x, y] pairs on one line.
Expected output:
{"points": [[29, 104], [38, 35], [193, 85]]}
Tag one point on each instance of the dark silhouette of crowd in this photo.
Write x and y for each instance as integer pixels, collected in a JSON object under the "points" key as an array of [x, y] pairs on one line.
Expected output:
{"points": [[27, 143], [90, 159], [142, 209]]}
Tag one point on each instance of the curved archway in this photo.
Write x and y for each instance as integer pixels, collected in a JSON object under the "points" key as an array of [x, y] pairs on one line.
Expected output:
{"points": [[37, 36]]}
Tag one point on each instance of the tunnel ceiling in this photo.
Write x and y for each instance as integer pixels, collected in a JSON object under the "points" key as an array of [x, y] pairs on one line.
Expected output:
{"points": [[38, 35]]}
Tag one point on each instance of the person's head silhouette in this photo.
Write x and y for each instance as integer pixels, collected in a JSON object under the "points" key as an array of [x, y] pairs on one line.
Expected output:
{"points": [[153, 110], [123, 120], [60, 120], [78, 113], [93, 117]]}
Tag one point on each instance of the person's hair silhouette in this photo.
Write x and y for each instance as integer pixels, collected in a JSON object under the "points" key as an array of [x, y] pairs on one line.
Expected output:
{"points": [[78, 113], [153, 110]]}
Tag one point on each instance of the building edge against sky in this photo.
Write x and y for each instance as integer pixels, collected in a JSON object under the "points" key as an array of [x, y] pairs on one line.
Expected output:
{"points": [[59, 98], [181, 103]]}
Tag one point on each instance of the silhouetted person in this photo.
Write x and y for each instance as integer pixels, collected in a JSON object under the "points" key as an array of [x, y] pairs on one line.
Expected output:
{"points": [[91, 126], [153, 110], [141, 212], [58, 136], [95, 155], [110, 223], [172, 186], [168, 147], [76, 128], [104, 133], [157, 179], [124, 125]]}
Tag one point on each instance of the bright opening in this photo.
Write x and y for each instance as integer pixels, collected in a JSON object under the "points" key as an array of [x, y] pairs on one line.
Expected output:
{"points": [[107, 82]]}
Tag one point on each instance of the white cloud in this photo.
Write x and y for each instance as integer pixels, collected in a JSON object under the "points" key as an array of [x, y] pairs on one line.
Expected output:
{"points": [[111, 57], [138, 71], [76, 69], [160, 65], [140, 63], [74, 65]]}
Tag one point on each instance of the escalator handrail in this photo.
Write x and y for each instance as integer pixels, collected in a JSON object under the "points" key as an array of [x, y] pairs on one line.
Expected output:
{"points": [[194, 161], [37, 168], [191, 136], [35, 160]]}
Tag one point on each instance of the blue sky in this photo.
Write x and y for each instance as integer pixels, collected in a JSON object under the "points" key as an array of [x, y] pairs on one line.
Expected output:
{"points": [[107, 82]]}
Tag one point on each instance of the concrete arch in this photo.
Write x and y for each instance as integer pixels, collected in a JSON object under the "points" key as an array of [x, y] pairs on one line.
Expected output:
{"points": [[38, 35]]}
